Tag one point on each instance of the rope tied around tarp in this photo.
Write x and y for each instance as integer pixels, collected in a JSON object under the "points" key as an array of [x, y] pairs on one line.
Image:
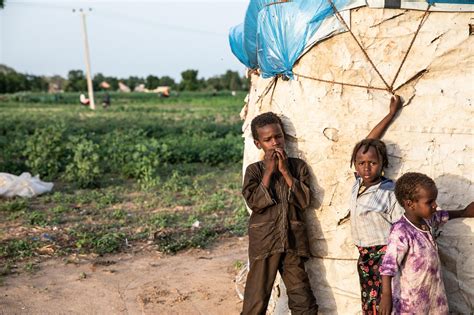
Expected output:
{"points": [[422, 21], [341, 83], [341, 19], [388, 88]]}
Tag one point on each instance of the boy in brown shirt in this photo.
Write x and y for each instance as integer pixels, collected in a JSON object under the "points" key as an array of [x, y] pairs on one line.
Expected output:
{"points": [[277, 191]]}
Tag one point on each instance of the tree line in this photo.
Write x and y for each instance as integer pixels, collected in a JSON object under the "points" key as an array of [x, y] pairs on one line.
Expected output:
{"points": [[12, 82]]}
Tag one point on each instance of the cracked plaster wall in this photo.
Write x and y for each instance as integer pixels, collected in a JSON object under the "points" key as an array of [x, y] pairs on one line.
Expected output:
{"points": [[433, 134]]}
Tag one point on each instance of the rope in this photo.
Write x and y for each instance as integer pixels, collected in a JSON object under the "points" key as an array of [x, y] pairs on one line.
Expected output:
{"points": [[422, 21], [266, 90], [278, 2], [336, 11], [341, 83], [273, 90]]}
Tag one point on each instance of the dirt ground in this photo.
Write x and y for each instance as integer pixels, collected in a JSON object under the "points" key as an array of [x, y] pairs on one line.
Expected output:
{"points": [[193, 282]]}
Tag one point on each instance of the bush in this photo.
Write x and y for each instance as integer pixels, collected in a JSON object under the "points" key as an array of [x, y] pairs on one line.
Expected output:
{"points": [[144, 162], [44, 151], [84, 162]]}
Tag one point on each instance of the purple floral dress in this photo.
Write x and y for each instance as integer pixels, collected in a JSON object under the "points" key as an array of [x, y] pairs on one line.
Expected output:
{"points": [[413, 262]]}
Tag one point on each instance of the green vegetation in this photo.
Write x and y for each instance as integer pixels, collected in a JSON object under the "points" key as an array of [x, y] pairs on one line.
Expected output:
{"points": [[147, 173], [12, 82]]}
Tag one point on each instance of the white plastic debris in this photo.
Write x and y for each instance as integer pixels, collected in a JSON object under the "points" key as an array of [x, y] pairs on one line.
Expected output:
{"points": [[24, 185]]}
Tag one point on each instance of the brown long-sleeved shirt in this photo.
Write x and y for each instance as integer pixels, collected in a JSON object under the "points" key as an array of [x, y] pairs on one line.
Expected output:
{"points": [[276, 223]]}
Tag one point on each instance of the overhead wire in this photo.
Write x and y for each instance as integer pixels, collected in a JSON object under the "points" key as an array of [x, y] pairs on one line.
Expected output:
{"points": [[114, 14]]}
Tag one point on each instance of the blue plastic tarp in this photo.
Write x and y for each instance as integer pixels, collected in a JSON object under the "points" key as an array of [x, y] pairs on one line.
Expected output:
{"points": [[250, 30], [274, 35], [284, 30], [236, 41], [280, 38]]}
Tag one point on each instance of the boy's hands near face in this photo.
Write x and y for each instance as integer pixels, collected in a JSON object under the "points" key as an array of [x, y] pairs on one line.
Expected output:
{"points": [[283, 166], [282, 160], [270, 160]]}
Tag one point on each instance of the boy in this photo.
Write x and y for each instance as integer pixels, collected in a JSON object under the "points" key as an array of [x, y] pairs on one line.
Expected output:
{"points": [[411, 270], [277, 190]]}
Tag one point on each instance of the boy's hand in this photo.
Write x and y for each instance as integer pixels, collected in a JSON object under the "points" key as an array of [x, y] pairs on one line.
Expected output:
{"points": [[469, 211], [270, 159], [395, 104], [385, 307], [283, 166], [282, 161]]}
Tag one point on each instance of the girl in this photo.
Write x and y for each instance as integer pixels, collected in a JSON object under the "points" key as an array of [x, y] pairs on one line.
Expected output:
{"points": [[411, 263], [373, 208]]}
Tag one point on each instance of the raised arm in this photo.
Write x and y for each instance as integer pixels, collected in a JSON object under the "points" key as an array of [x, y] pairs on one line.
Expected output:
{"points": [[381, 127], [467, 212]]}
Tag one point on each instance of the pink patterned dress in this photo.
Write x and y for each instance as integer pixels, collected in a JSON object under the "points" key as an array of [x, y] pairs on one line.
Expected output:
{"points": [[413, 262]]}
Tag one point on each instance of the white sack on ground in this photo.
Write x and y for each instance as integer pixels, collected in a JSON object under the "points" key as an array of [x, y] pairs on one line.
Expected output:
{"points": [[433, 134], [23, 186]]}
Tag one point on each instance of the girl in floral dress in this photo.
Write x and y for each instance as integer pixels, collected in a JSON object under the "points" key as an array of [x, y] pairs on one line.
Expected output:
{"points": [[373, 209]]}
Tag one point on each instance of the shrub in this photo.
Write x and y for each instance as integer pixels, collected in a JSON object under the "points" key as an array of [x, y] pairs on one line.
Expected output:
{"points": [[84, 162], [44, 151]]}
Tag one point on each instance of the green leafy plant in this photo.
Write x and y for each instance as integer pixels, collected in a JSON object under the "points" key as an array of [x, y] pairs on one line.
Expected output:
{"points": [[83, 168], [44, 150]]}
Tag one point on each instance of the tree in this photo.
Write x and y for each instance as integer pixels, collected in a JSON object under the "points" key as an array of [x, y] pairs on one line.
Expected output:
{"points": [[76, 81], [97, 80], [214, 83], [1, 4], [152, 82], [133, 82], [36, 83], [113, 81], [189, 80], [231, 80], [167, 81]]}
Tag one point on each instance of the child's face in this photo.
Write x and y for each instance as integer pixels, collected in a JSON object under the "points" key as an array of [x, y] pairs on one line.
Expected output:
{"points": [[270, 137], [368, 166], [426, 205]]}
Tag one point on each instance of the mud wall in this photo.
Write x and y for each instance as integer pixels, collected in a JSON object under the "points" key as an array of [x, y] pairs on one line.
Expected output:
{"points": [[433, 134]]}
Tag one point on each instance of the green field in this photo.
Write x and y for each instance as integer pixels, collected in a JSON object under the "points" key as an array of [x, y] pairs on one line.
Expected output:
{"points": [[135, 176]]}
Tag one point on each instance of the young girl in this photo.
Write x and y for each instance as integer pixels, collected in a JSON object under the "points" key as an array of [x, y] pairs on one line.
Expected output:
{"points": [[373, 208], [411, 273]]}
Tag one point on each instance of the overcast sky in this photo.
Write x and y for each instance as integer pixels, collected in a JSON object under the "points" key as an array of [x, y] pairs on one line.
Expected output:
{"points": [[128, 37]]}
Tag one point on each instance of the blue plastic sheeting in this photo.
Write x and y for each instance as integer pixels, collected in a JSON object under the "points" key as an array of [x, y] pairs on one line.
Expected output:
{"points": [[275, 34], [280, 38], [236, 40], [250, 30], [284, 30]]}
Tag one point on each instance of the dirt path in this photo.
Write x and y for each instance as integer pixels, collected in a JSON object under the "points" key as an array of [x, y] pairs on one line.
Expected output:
{"points": [[193, 282]]}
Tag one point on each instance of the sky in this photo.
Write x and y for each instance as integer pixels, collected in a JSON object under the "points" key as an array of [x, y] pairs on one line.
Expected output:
{"points": [[126, 37]]}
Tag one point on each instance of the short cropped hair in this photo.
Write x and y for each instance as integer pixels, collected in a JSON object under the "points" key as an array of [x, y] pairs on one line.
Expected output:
{"points": [[408, 186], [262, 120], [366, 144]]}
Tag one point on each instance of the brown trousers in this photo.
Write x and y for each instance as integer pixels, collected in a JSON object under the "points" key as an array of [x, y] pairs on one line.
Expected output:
{"points": [[261, 277]]}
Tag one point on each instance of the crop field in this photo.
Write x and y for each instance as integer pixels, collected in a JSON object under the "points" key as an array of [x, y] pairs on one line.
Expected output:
{"points": [[147, 173]]}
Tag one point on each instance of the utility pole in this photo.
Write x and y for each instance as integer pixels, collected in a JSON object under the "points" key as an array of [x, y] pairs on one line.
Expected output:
{"points": [[90, 88]]}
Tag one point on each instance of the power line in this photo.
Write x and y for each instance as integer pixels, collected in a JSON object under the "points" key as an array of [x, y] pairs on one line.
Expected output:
{"points": [[114, 14], [155, 24]]}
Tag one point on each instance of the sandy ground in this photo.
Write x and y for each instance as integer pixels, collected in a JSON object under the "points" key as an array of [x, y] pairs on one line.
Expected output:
{"points": [[193, 282]]}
